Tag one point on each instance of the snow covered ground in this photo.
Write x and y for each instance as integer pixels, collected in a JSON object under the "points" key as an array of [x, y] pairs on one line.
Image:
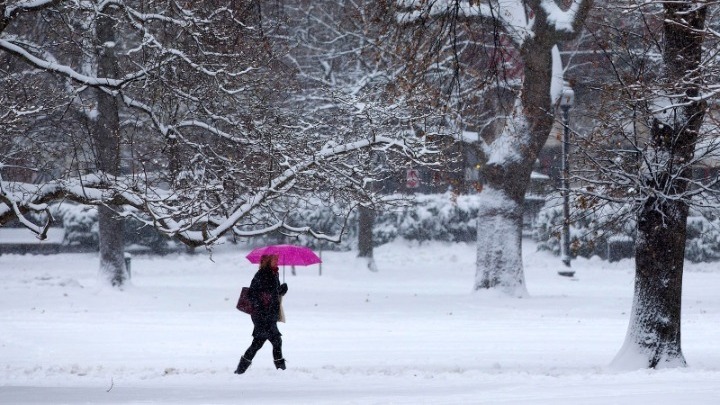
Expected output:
{"points": [[411, 333]]}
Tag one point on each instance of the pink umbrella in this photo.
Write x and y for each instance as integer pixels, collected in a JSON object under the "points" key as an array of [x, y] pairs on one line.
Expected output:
{"points": [[287, 255]]}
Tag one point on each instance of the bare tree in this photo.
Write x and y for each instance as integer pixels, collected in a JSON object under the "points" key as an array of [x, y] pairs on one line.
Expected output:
{"points": [[351, 64], [212, 138], [535, 27], [663, 58]]}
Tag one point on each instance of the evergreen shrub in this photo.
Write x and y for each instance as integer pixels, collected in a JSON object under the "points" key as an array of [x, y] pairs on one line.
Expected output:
{"points": [[591, 230]]}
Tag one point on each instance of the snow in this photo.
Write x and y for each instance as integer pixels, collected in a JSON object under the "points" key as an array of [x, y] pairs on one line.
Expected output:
{"points": [[560, 19], [515, 18], [470, 136], [504, 149], [62, 69], [511, 13], [412, 333], [498, 244], [557, 81]]}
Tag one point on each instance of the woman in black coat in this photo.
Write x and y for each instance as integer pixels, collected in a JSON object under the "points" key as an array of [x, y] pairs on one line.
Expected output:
{"points": [[265, 293]]}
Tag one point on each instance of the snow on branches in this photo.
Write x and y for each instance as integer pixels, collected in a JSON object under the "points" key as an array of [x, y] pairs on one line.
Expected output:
{"points": [[210, 132], [197, 214], [519, 18]]}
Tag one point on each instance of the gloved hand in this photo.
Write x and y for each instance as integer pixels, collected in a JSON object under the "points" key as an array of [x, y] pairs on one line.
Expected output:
{"points": [[283, 289]]}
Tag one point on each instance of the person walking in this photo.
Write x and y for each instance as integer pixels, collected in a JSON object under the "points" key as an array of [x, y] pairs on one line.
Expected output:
{"points": [[265, 293]]}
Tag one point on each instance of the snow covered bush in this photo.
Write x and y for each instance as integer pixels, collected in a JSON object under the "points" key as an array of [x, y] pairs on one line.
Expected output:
{"points": [[703, 237], [145, 236], [432, 217], [323, 218], [80, 223], [590, 229], [439, 217], [443, 217]]}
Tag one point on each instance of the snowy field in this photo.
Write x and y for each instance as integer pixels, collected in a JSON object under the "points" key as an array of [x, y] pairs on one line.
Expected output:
{"points": [[412, 333]]}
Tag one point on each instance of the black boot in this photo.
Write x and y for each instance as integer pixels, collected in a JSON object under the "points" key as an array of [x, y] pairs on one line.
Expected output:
{"points": [[243, 365], [280, 364]]}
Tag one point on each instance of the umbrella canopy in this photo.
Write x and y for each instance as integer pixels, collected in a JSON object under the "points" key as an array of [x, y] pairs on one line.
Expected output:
{"points": [[290, 255]]}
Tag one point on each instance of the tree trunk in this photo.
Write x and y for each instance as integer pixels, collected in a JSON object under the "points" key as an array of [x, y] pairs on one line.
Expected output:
{"points": [[653, 337], [112, 251], [499, 247], [366, 219], [106, 141]]}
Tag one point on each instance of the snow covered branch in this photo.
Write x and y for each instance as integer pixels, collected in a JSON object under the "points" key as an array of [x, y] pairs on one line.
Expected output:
{"points": [[65, 69], [9, 11], [569, 20], [517, 17], [510, 14], [172, 214], [212, 135]]}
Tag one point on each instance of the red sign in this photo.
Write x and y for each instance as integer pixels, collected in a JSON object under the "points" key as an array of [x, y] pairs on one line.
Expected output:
{"points": [[413, 178]]}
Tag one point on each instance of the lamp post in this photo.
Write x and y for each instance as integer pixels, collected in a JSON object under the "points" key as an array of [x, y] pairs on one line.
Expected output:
{"points": [[566, 102]]}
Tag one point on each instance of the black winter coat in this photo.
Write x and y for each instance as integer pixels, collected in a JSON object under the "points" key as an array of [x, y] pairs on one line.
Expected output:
{"points": [[265, 292]]}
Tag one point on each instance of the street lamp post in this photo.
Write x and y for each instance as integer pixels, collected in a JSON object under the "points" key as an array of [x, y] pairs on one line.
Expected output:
{"points": [[566, 102]]}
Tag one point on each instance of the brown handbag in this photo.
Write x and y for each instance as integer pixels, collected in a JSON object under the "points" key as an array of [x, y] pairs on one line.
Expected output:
{"points": [[244, 303]]}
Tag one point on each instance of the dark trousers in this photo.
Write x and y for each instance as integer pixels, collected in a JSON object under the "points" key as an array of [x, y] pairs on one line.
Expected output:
{"points": [[258, 343]]}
